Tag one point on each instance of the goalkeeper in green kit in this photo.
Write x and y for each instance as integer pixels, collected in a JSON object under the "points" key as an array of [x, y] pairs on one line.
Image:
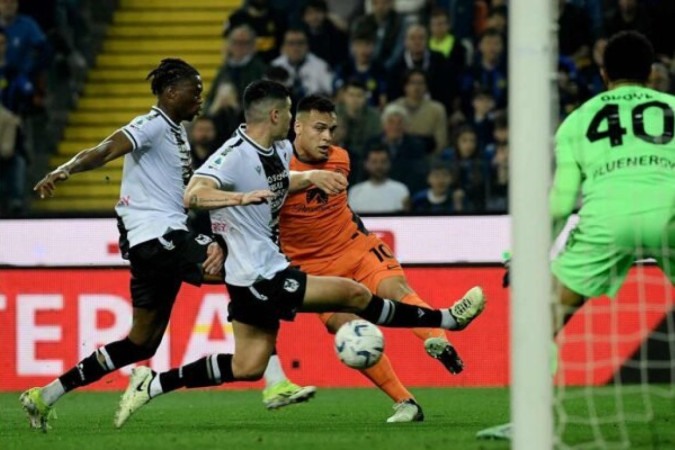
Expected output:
{"points": [[619, 148]]}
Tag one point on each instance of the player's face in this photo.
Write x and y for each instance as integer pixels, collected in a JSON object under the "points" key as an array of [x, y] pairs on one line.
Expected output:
{"points": [[314, 131], [187, 98]]}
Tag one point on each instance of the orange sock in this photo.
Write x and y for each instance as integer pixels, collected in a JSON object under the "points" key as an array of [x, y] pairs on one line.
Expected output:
{"points": [[422, 333], [384, 377]]}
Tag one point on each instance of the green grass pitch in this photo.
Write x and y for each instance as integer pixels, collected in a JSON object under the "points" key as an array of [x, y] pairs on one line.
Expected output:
{"points": [[336, 419]]}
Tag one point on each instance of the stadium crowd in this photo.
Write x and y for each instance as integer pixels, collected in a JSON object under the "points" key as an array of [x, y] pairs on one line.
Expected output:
{"points": [[421, 86]]}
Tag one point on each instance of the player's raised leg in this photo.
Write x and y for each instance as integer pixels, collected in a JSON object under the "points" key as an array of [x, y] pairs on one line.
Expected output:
{"points": [[324, 294], [435, 340], [382, 375]]}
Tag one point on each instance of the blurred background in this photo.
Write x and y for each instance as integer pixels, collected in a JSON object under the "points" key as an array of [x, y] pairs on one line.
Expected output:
{"points": [[421, 86]]}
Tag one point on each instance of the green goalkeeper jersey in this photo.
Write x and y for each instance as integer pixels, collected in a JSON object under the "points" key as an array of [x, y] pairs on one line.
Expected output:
{"points": [[619, 147]]}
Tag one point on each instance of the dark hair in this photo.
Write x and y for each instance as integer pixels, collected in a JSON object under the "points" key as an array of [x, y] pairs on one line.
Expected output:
{"points": [[315, 103], [628, 56], [439, 164], [377, 148], [490, 32], [169, 72], [363, 33], [315, 4], [264, 90], [501, 120], [278, 74], [295, 30], [357, 83], [438, 12], [409, 74]]}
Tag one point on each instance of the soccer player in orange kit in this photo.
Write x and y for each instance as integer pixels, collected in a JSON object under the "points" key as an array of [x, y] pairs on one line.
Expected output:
{"points": [[323, 236]]}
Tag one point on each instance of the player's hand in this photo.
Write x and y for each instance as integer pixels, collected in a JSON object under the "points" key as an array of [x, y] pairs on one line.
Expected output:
{"points": [[329, 182], [47, 185], [215, 258], [256, 197]]}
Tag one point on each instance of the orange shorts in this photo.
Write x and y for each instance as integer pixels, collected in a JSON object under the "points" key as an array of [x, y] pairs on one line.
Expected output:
{"points": [[365, 259]]}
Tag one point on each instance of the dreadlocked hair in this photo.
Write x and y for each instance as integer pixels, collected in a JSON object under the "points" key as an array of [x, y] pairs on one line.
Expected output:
{"points": [[170, 71]]}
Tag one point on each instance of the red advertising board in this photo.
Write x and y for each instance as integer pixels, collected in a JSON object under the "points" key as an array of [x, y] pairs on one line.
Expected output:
{"points": [[52, 318]]}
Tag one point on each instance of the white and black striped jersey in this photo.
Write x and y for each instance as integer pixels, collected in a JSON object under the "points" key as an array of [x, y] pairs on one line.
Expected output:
{"points": [[154, 178], [251, 232]]}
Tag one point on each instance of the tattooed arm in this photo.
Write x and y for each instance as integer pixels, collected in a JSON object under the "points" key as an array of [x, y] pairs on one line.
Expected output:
{"points": [[204, 193]]}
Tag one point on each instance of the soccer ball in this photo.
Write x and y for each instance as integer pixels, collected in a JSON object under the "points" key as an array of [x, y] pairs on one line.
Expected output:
{"points": [[359, 344]]}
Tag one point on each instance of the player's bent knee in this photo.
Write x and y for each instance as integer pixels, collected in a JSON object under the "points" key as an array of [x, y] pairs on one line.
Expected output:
{"points": [[337, 320], [358, 296]]}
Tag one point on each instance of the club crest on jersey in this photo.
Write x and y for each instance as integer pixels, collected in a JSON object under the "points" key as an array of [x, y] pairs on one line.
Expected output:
{"points": [[317, 195], [258, 169], [291, 285], [203, 239]]}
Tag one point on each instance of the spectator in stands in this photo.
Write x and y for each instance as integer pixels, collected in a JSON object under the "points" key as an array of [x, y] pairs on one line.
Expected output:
{"points": [[482, 119], [574, 32], [500, 134], [225, 111], [309, 74], [26, 41], [358, 123], [497, 20], [409, 154], [363, 66], [590, 80], [469, 171], [659, 79], [202, 140], [427, 118], [26, 55], [241, 64], [629, 15], [443, 40], [441, 78], [388, 27], [326, 40], [569, 96], [269, 26], [438, 197], [379, 193], [497, 200], [488, 72], [13, 159]]}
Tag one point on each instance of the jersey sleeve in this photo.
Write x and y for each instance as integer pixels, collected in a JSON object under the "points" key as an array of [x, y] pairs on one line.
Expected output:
{"points": [[342, 162], [223, 167], [142, 132], [568, 175]]}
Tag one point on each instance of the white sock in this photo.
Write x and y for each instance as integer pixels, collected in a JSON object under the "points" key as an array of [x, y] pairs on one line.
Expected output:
{"points": [[274, 373], [52, 392], [155, 387], [447, 321]]}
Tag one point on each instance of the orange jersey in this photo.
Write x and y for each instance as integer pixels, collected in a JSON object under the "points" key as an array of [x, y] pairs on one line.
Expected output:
{"points": [[316, 226]]}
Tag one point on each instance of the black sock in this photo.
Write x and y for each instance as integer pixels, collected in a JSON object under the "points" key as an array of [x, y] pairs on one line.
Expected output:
{"points": [[211, 370], [104, 360], [389, 313]]}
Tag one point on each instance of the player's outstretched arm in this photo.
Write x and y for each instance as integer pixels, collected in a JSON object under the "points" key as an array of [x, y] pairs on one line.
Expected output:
{"points": [[204, 193], [327, 181], [111, 148]]}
